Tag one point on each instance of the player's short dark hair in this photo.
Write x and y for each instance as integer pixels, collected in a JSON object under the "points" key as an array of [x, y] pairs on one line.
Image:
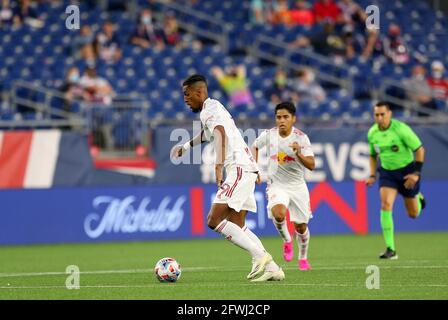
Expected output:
{"points": [[193, 79], [289, 106], [383, 104]]}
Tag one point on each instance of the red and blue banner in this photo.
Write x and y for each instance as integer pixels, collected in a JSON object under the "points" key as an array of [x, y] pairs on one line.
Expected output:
{"points": [[60, 215], [49, 158]]}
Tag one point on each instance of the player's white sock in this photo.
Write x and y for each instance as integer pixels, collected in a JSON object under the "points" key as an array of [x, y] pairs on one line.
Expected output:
{"points": [[237, 236], [303, 240], [282, 229], [271, 266], [253, 237]]}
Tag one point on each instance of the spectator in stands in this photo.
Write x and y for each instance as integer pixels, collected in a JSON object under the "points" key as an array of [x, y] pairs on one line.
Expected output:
{"points": [[145, 34], [418, 90], [107, 44], [394, 47], [282, 91], [257, 12], [354, 43], [26, 12], [72, 89], [301, 14], [306, 86], [328, 43], [438, 83], [83, 45], [234, 83], [98, 89], [352, 14], [98, 92], [6, 13], [171, 35], [280, 12], [326, 10]]}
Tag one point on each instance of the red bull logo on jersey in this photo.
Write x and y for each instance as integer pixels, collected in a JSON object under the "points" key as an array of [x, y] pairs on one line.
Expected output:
{"points": [[282, 158]]}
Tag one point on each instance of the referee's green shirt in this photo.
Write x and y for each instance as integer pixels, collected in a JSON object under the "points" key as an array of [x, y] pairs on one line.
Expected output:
{"points": [[395, 145]]}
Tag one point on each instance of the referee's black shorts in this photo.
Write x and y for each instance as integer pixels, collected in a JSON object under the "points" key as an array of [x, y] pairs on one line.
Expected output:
{"points": [[395, 179]]}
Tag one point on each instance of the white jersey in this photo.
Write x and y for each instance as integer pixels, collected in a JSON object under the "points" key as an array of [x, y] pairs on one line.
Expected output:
{"points": [[238, 153], [284, 169]]}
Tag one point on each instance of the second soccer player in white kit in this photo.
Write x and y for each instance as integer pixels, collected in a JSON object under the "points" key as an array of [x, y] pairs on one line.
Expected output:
{"points": [[289, 152]]}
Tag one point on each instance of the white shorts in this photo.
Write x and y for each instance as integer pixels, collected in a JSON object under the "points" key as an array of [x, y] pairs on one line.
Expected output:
{"points": [[238, 189], [297, 200]]}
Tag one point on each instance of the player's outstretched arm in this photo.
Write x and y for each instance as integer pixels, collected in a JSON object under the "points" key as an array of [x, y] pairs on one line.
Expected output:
{"points": [[179, 150]]}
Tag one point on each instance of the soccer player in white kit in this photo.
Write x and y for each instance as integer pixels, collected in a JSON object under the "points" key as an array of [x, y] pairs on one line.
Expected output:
{"points": [[235, 195], [289, 153]]}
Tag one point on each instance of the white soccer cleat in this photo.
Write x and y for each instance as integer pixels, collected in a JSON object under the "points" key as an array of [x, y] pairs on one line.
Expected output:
{"points": [[278, 275], [252, 270], [259, 265]]}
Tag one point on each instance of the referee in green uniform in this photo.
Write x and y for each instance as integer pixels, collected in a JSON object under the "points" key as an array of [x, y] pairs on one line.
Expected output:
{"points": [[395, 143]]}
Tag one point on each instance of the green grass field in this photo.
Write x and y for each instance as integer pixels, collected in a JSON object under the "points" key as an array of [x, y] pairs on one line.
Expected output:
{"points": [[215, 269]]}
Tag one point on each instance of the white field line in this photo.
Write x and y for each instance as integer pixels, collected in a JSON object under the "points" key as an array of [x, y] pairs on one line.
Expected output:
{"points": [[233, 285], [196, 269], [218, 269], [336, 266]]}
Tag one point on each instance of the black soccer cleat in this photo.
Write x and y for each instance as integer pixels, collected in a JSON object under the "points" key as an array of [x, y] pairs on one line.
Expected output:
{"points": [[422, 200], [389, 254]]}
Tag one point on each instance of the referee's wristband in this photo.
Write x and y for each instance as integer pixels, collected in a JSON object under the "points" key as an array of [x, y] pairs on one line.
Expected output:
{"points": [[418, 167]]}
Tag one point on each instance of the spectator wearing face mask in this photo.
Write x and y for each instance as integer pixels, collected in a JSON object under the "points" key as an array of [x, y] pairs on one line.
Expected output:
{"points": [[418, 90], [437, 81], [71, 89], [145, 34]]}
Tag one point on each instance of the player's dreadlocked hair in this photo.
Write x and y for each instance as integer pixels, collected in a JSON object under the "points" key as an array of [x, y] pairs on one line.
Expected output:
{"points": [[193, 79], [288, 106]]}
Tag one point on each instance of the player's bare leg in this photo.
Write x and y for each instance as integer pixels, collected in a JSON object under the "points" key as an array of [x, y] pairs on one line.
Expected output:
{"points": [[217, 220], [303, 240], [412, 207], [388, 196], [238, 218], [279, 214]]}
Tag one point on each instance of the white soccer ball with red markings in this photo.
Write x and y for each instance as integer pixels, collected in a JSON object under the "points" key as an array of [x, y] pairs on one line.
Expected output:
{"points": [[167, 270]]}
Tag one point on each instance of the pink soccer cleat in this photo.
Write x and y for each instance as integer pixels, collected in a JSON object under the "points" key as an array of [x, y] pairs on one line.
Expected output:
{"points": [[288, 252], [304, 265]]}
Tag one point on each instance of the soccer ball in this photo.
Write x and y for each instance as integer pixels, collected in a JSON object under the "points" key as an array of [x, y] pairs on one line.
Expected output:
{"points": [[167, 270]]}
